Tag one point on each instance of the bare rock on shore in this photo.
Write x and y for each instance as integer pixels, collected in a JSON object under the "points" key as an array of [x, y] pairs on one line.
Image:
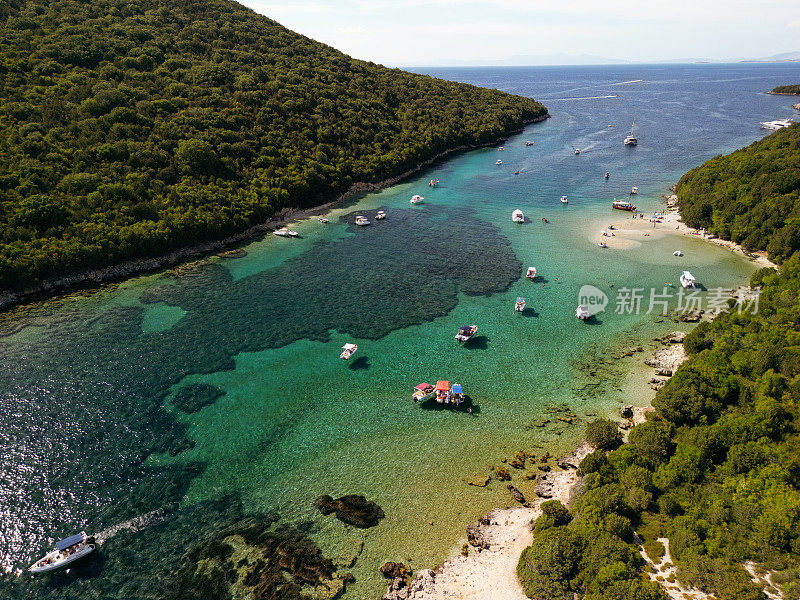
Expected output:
{"points": [[676, 337], [626, 412], [393, 570], [692, 317], [352, 509], [475, 536], [544, 487]]}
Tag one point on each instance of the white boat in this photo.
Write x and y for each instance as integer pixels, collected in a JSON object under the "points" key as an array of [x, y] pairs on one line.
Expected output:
{"points": [[422, 392], [380, 215], [284, 232], [631, 139], [687, 280], [498, 162], [519, 305], [500, 149], [602, 244], [775, 125], [347, 351], [582, 312], [323, 219], [416, 199], [517, 216], [529, 143], [577, 150], [66, 552], [677, 253], [634, 190], [564, 200], [623, 205], [465, 333], [362, 220], [531, 274]]}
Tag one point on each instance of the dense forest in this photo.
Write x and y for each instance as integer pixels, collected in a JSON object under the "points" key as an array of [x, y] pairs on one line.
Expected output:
{"points": [[787, 89], [131, 127], [751, 196], [716, 468]]}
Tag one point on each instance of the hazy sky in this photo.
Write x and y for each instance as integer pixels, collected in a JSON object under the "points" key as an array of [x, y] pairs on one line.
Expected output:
{"points": [[409, 32]]}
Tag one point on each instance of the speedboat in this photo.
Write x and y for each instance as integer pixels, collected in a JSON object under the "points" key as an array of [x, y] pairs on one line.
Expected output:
{"points": [[687, 280], [362, 220], [465, 333], [443, 392], [775, 125], [631, 140], [516, 172], [519, 305], [498, 162], [634, 190], [623, 205], [582, 312], [531, 274], [500, 149], [66, 552], [416, 199], [323, 219], [564, 200], [433, 183], [517, 216], [577, 150], [456, 394], [380, 215], [677, 253], [529, 143], [422, 392], [284, 232], [607, 175], [602, 244], [347, 351]]}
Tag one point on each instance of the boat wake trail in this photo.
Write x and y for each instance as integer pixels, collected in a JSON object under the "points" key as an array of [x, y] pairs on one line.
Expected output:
{"points": [[132, 525], [631, 81], [584, 97]]}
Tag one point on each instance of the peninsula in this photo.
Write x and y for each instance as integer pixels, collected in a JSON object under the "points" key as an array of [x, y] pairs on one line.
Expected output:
{"points": [[132, 131]]}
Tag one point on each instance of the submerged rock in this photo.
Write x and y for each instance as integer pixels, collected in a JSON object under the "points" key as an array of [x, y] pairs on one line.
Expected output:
{"points": [[352, 509], [479, 480], [502, 474], [393, 570], [518, 496]]}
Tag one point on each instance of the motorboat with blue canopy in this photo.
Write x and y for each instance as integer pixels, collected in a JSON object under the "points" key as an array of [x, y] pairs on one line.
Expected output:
{"points": [[66, 552]]}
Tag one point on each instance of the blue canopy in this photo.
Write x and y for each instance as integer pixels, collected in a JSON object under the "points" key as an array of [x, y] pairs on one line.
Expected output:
{"points": [[456, 389], [70, 541]]}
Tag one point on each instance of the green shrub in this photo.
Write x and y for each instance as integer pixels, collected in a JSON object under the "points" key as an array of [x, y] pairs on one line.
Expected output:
{"points": [[603, 433], [655, 550]]}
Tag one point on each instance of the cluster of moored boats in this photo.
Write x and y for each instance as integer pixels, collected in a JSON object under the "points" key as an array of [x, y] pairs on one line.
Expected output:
{"points": [[442, 392]]}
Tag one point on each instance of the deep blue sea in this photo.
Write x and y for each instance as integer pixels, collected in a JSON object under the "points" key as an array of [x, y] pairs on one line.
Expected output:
{"points": [[214, 394]]}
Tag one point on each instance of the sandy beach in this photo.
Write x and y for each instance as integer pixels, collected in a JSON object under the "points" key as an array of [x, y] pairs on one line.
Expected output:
{"points": [[490, 572], [626, 232]]}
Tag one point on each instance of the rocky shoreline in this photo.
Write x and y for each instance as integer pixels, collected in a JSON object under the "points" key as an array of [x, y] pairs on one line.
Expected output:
{"points": [[95, 277], [486, 569]]}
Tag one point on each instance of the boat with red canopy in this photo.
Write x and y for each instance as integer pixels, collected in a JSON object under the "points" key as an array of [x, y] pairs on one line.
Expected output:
{"points": [[443, 392], [422, 392]]}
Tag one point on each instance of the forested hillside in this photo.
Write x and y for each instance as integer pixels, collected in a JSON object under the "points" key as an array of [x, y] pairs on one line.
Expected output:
{"points": [[716, 469], [751, 196], [131, 127]]}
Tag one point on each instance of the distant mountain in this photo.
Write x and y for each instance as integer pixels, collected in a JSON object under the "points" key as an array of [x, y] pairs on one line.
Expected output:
{"points": [[785, 56]]}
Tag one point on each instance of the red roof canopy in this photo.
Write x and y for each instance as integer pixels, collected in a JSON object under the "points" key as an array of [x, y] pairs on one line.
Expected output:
{"points": [[424, 387], [443, 386]]}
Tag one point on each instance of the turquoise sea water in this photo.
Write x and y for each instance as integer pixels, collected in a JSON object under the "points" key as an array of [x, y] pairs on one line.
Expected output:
{"points": [[95, 422]]}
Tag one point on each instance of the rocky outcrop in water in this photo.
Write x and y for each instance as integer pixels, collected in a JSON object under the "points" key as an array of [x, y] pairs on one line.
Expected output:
{"points": [[253, 560], [352, 509]]}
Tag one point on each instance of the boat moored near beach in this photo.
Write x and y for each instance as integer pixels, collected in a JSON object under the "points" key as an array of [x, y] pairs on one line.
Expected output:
{"points": [[284, 232], [443, 392], [634, 190], [519, 305], [623, 205], [775, 125], [531, 273], [347, 351], [687, 280], [66, 552], [380, 215], [529, 143], [360, 220], [456, 395], [582, 312], [517, 216], [564, 200], [416, 199], [465, 333], [422, 392], [498, 162]]}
